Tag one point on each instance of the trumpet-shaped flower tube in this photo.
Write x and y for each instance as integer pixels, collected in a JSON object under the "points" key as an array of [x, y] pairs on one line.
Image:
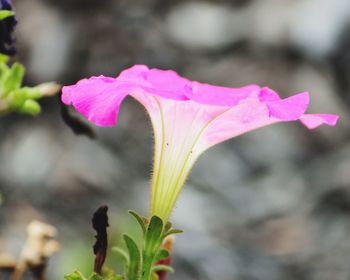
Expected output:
{"points": [[188, 117]]}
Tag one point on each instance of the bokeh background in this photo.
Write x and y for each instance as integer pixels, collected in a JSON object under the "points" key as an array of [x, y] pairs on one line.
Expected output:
{"points": [[273, 204]]}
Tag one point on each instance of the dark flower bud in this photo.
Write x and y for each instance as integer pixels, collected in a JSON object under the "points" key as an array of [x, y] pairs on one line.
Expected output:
{"points": [[7, 26], [100, 224]]}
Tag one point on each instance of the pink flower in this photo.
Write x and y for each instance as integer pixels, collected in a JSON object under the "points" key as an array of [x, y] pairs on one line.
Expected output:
{"points": [[188, 117]]}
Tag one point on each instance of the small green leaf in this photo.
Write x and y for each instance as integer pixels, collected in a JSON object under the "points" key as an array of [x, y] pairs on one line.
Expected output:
{"points": [[4, 58], [168, 226], [172, 231], [30, 107], [76, 275], [107, 273], [15, 99], [31, 93], [162, 254], [14, 78], [163, 267], [96, 277], [139, 219], [4, 74], [153, 235], [5, 14], [134, 269], [121, 253]]}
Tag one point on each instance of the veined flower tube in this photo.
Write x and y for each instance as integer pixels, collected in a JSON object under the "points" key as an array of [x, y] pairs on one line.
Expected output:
{"points": [[188, 117]]}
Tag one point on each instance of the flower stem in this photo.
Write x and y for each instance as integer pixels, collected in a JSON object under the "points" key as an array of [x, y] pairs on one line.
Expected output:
{"points": [[143, 261], [147, 266]]}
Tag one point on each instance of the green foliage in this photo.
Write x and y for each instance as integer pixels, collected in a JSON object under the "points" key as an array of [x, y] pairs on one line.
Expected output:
{"points": [[14, 77], [154, 232], [4, 58], [77, 275], [141, 260], [5, 14], [141, 220], [172, 231], [163, 267], [153, 235], [135, 261], [14, 97], [121, 252], [162, 254]]}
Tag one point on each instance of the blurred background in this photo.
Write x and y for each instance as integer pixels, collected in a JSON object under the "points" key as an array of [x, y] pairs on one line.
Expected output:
{"points": [[270, 205]]}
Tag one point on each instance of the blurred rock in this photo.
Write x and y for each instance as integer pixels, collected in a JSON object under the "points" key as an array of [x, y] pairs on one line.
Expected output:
{"points": [[283, 236], [200, 25], [322, 97], [273, 23], [297, 23], [48, 35], [312, 37]]}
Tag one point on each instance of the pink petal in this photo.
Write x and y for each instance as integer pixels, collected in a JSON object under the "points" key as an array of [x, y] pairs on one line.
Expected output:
{"points": [[312, 121], [235, 121], [165, 83], [220, 96], [67, 94], [97, 98], [266, 94], [289, 109], [168, 83], [136, 73]]}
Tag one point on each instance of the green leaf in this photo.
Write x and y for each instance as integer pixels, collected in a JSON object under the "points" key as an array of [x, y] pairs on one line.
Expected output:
{"points": [[30, 107], [163, 253], [163, 267], [168, 226], [15, 99], [107, 273], [153, 235], [134, 269], [4, 74], [122, 253], [4, 58], [172, 231], [14, 78], [96, 277], [76, 275], [31, 93], [5, 14], [139, 219]]}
